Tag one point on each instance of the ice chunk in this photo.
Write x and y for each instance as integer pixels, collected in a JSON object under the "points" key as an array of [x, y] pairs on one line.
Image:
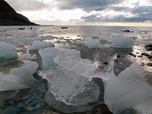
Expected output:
{"points": [[7, 51], [19, 78], [93, 43], [121, 41], [128, 90], [83, 67], [39, 44], [67, 86], [33, 32], [49, 54], [71, 84], [25, 72]]}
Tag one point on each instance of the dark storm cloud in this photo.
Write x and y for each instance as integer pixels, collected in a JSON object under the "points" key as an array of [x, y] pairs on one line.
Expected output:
{"points": [[86, 5], [142, 9], [27, 5], [119, 8], [118, 18]]}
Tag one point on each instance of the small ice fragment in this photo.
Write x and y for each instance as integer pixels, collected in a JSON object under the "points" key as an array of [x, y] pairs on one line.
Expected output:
{"points": [[93, 43], [39, 44], [7, 51], [33, 32]]}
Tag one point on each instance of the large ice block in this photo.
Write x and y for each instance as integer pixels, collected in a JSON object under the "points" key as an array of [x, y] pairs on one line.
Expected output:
{"points": [[128, 90]]}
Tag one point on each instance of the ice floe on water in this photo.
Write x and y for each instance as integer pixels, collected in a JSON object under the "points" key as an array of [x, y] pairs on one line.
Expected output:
{"points": [[19, 78]]}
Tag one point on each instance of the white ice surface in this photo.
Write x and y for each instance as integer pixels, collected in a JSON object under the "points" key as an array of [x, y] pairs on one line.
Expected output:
{"points": [[128, 90]]}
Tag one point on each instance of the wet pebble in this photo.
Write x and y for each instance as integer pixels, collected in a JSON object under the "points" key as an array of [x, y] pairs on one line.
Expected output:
{"points": [[149, 64], [148, 47], [105, 63], [131, 54]]}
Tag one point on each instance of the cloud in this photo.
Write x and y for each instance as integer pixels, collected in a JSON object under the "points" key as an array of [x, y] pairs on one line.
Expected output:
{"points": [[142, 9], [86, 5], [117, 18], [120, 8], [30, 5]]}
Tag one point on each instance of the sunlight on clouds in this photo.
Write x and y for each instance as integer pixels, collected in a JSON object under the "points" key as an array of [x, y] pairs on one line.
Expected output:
{"points": [[54, 15]]}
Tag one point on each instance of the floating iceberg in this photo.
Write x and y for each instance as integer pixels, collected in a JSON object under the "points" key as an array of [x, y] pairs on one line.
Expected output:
{"points": [[39, 45], [128, 90], [48, 55], [7, 51], [121, 41], [19, 78]]}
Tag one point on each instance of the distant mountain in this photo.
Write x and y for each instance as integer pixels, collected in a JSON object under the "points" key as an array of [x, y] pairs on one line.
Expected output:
{"points": [[8, 16]]}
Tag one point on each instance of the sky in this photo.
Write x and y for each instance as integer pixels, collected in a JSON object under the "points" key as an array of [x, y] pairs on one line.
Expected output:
{"points": [[85, 12]]}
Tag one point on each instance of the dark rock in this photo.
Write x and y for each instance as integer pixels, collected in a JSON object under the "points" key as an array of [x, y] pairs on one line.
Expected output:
{"points": [[116, 61], [100, 109], [149, 64], [64, 27], [21, 28], [118, 56], [139, 55], [132, 54], [147, 55], [105, 63], [8, 16], [142, 64], [148, 47], [126, 31]]}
